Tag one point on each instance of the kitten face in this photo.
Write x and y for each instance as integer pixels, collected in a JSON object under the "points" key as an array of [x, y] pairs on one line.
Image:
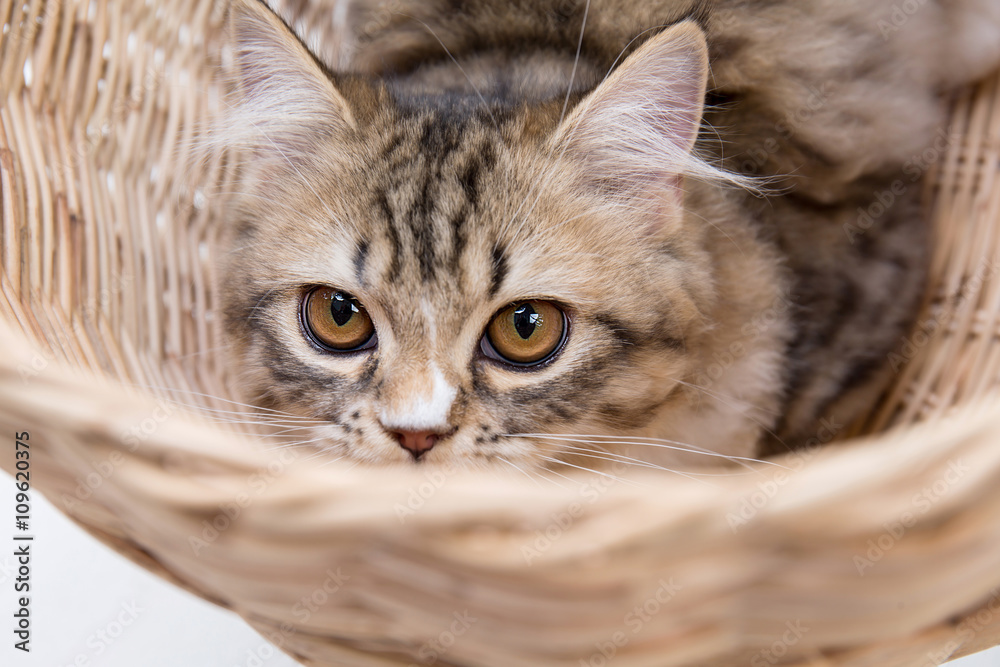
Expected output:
{"points": [[435, 240], [434, 226]]}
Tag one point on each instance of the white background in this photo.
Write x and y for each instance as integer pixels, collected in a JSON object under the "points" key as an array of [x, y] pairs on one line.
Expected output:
{"points": [[81, 590]]}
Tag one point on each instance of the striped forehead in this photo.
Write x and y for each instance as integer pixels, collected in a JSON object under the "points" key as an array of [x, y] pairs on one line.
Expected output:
{"points": [[425, 208]]}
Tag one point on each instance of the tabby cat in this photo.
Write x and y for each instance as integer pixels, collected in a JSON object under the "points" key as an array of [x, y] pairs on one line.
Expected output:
{"points": [[527, 233]]}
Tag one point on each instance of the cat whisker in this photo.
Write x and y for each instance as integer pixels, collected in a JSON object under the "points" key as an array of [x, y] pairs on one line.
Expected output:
{"points": [[742, 461], [237, 419], [221, 399], [704, 169], [353, 465], [742, 409], [522, 471], [302, 439], [562, 223], [715, 394], [689, 476], [318, 453], [720, 230], [289, 432], [256, 307], [639, 463], [291, 164], [639, 438], [268, 246], [297, 426], [243, 415], [609, 456], [285, 433], [290, 447], [265, 417], [543, 183], [618, 458], [459, 66], [588, 470], [629, 45], [332, 461], [576, 62], [549, 471], [269, 200], [273, 423], [662, 443], [293, 445], [199, 353]]}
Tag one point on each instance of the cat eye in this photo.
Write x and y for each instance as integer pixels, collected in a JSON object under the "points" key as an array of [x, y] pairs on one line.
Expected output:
{"points": [[526, 333], [336, 321]]}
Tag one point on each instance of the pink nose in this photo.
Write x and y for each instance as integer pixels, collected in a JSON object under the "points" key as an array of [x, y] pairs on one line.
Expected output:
{"points": [[417, 442]]}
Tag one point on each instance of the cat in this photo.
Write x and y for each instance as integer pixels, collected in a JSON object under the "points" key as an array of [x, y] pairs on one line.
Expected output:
{"points": [[524, 234]]}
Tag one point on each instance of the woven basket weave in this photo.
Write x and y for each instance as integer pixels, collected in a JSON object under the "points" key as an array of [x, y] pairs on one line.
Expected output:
{"points": [[882, 551]]}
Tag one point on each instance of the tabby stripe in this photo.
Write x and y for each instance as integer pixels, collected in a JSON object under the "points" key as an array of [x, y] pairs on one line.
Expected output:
{"points": [[632, 416], [470, 181], [364, 381], [251, 308], [628, 337], [440, 137], [622, 333], [487, 155], [392, 146], [285, 368], [421, 225], [382, 201], [459, 240], [499, 267], [360, 260]]}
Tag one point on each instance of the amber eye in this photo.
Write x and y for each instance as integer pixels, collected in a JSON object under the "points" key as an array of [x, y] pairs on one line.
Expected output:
{"points": [[336, 320], [525, 333]]}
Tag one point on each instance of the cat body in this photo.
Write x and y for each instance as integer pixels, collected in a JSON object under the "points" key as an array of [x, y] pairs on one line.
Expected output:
{"points": [[512, 233]]}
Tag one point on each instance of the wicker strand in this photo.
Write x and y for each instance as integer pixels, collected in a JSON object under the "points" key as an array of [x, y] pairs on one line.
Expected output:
{"points": [[867, 553]]}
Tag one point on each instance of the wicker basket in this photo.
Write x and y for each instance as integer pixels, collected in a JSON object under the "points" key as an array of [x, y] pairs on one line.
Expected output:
{"points": [[884, 551]]}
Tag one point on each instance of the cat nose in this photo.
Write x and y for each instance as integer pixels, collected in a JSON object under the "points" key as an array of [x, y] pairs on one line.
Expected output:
{"points": [[417, 442]]}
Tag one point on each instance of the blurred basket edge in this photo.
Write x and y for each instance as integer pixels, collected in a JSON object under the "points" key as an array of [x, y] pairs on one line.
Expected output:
{"points": [[883, 552]]}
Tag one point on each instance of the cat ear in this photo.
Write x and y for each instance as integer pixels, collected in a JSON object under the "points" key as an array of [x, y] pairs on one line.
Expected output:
{"points": [[285, 98], [634, 133]]}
